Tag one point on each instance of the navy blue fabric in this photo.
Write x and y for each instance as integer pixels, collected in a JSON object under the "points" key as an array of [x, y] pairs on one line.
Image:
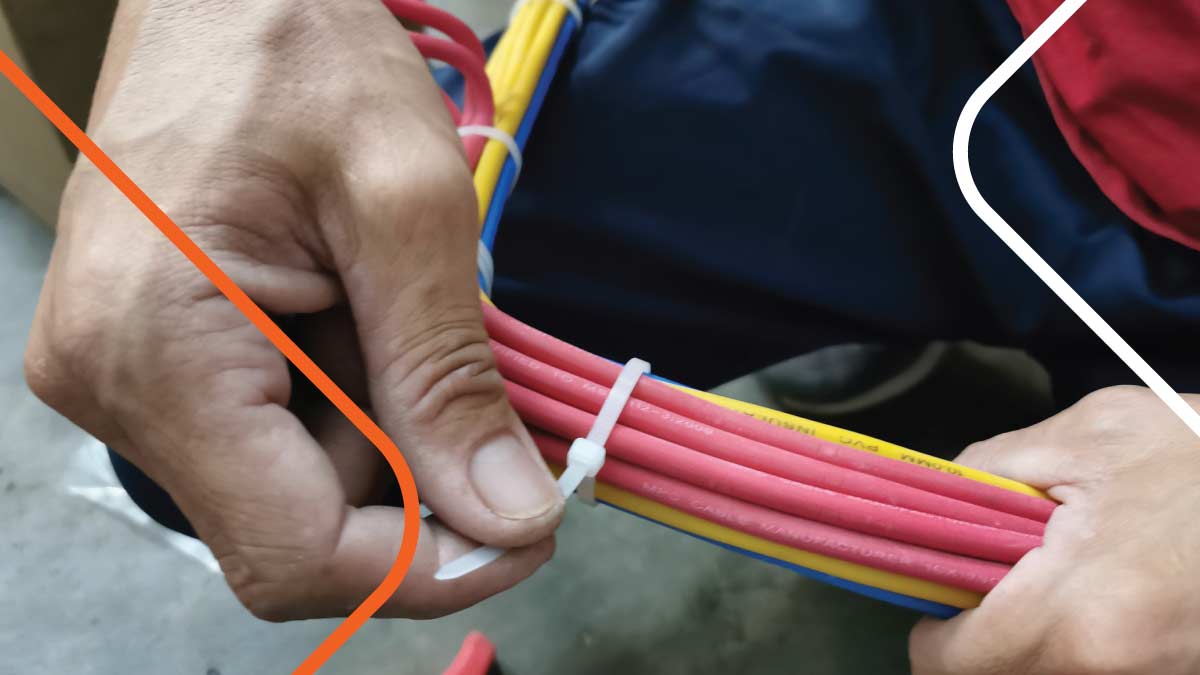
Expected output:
{"points": [[716, 185], [149, 497]]}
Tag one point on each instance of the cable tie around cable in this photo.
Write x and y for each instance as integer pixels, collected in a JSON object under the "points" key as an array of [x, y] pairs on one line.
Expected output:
{"points": [[584, 461], [487, 268], [586, 456], [571, 5], [495, 134]]}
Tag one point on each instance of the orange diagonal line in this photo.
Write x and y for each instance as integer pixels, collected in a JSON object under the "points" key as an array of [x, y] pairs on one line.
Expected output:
{"points": [[408, 488]]}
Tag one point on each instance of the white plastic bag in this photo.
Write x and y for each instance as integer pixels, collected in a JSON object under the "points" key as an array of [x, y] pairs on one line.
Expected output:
{"points": [[90, 476]]}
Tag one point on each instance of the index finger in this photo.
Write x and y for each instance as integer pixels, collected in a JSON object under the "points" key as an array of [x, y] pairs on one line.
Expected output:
{"points": [[273, 510]]}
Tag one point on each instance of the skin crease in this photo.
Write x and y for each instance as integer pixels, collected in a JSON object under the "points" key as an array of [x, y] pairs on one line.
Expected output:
{"points": [[1114, 587], [304, 146]]}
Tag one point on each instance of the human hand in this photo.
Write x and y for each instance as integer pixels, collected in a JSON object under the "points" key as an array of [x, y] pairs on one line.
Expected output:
{"points": [[303, 145], [1114, 588]]}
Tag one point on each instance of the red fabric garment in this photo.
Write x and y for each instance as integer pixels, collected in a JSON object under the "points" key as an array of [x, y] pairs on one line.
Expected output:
{"points": [[1122, 78]]}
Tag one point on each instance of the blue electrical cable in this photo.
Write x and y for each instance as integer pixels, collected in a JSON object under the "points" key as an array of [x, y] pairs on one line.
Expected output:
{"points": [[508, 174], [491, 226], [907, 601]]}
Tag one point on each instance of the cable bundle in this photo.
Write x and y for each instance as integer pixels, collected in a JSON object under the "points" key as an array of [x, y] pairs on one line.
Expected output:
{"points": [[894, 524]]}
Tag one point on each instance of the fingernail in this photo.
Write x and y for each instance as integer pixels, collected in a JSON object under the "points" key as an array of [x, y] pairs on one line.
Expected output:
{"points": [[510, 481]]}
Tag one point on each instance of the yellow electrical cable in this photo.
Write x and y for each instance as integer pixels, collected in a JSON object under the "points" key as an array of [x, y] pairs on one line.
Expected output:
{"points": [[538, 29], [537, 25], [861, 442], [860, 574], [537, 15], [529, 60], [514, 41], [522, 31], [515, 67], [498, 59]]}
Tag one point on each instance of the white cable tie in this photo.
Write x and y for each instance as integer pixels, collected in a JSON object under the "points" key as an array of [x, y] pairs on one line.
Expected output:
{"points": [[467, 563], [498, 135], [584, 461], [487, 268], [586, 455], [571, 5]]}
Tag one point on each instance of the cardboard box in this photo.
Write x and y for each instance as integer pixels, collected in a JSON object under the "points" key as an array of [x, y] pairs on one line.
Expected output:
{"points": [[60, 44]]}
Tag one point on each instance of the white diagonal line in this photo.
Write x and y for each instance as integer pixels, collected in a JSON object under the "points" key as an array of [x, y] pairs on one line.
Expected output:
{"points": [[962, 171]]}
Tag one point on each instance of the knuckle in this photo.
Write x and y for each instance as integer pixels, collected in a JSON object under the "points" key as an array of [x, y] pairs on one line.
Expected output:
{"points": [[57, 355], [1109, 413], [85, 184], [40, 366], [975, 452], [979, 454], [447, 178], [265, 603], [278, 583], [423, 199], [1120, 398]]}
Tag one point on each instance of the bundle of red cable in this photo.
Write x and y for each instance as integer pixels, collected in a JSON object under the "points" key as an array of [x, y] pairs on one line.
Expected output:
{"points": [[731, 469], [784, 486]]}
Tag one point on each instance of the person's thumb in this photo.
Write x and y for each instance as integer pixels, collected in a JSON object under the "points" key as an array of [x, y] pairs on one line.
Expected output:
{"points": [[408, 266]]}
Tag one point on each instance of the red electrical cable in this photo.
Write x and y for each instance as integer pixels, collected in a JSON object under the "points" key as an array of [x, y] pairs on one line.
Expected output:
{"points": [[780, 494], [865, 502], [875, 552], [476, 656], [439, 20], [550, 350], [459, 32], [478, 106], [589, 396]]}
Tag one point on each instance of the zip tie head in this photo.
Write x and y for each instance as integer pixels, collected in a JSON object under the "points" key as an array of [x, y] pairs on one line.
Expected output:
{"points": [[587, 455], [584, 461]]}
